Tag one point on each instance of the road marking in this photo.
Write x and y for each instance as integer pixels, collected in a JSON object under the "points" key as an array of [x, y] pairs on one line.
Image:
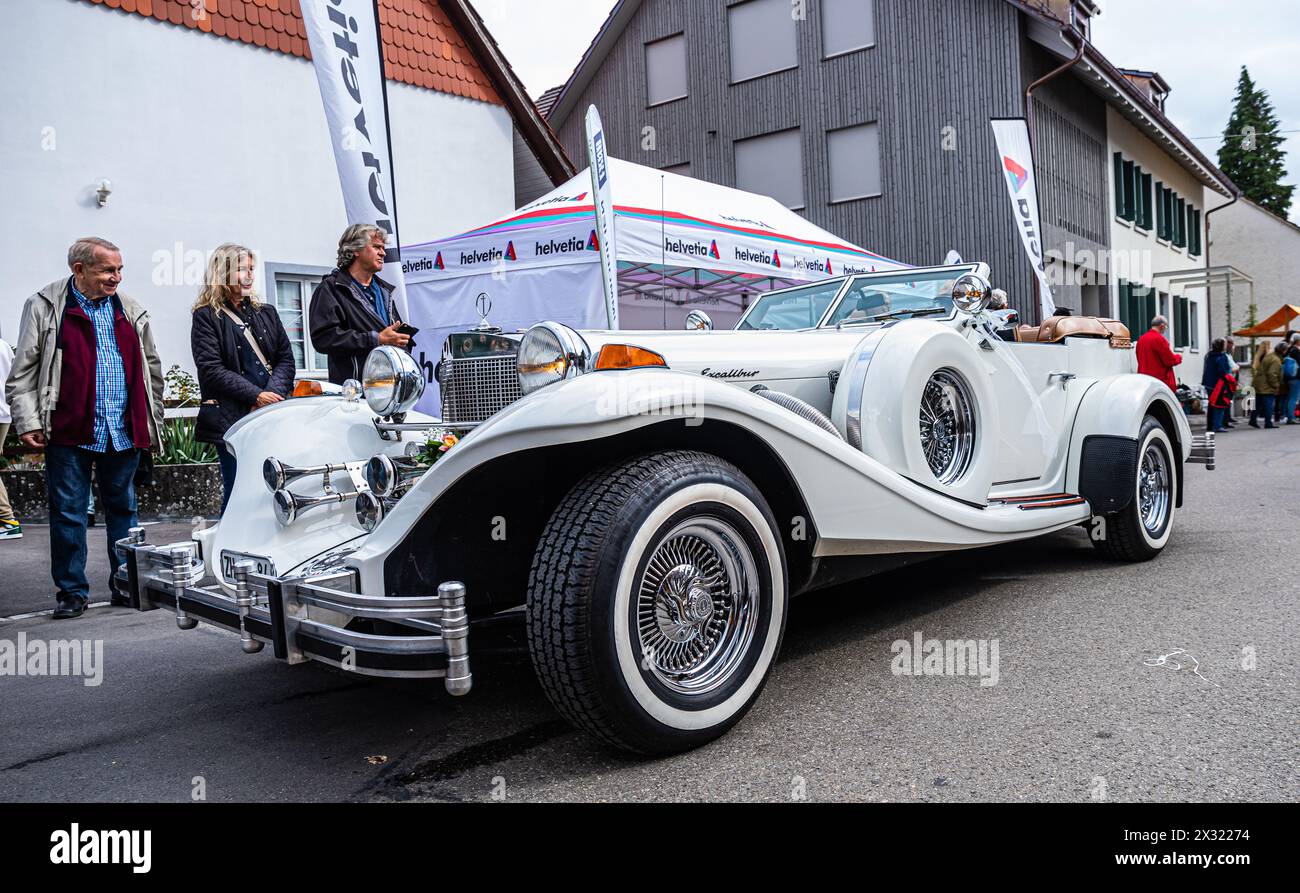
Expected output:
{"points": [[17, 617]]}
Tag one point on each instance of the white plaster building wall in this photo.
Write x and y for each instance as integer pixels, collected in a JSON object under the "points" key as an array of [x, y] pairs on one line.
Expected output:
{"points": [[1137, 255], [205, 140], [1265, 248]]}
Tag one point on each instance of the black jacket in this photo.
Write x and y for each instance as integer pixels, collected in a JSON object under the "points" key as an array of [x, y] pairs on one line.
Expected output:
{"points": [[344, 325], [216, 356]]}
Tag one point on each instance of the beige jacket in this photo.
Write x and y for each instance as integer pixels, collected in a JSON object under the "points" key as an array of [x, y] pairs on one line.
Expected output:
{"points": [[33, 386]]}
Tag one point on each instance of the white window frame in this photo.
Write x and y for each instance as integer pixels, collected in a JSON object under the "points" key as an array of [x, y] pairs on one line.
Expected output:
{"points": [[309, 278]]}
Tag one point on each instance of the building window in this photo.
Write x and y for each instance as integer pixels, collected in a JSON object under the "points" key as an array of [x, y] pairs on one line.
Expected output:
{"points": [[665, 70], [1137, 306], [762, 38], [772, 165], [854, 161], [1183, 323], [847, 25], [292, 287], [1193, 326], [1180, 223], [1193, 232], [1143, 217]]}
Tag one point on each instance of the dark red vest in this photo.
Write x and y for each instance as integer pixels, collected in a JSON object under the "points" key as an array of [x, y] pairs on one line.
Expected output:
{"points": [[73, 420]]}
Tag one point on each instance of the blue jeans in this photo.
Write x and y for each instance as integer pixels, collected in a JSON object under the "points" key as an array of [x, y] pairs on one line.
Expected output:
{"points": [[1216, 417], [227, 460], [67, 482], [1265, 404]]}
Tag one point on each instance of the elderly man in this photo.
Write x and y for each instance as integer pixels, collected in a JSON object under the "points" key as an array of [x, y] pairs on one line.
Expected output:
{"points": [[352, 310], [87, 385], [1154, 355]]}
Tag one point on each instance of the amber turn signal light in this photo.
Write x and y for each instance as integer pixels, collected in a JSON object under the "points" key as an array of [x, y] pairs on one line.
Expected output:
{"points": [[627, 356], [307, 388]]}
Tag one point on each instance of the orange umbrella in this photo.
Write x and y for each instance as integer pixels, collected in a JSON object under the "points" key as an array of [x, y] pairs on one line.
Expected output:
{"points": [[1274, 327]]}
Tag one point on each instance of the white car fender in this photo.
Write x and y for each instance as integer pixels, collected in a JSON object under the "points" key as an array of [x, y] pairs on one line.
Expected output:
{"points": [[1116, 407]]}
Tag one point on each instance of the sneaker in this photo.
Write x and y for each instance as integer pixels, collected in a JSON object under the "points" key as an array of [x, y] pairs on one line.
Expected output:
{"points": [[11, 530]]}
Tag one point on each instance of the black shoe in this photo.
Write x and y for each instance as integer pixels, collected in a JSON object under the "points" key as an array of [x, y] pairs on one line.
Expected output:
{"points": [[90, 519], [119, 601], [69, 606], [1253, 423], [1270, 426]]}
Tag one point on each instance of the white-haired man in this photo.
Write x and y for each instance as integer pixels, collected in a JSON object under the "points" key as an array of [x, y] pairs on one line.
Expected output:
{"points": [[352, 310], [95, 408]]}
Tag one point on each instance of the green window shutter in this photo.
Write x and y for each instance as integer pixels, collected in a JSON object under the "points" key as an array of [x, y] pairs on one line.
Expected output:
{"points": [[1194, 234], [1122, 304], [1160, 209], [1119, 185], [1137, 195], [1183, 326], [1168, 200], [1180, 222], [1130, 191], [1148, 306], [1146, 202]]}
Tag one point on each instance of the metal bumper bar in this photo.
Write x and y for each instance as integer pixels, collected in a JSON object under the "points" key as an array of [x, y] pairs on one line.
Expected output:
{"points": [[300, 616], [1203, 450]]}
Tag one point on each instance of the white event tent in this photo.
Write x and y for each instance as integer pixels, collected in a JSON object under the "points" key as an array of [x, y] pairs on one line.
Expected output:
{"points": [[681, 244]]}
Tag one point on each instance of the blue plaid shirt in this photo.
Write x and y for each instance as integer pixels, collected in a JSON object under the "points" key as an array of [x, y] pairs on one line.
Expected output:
{"points": [[110, 378]]}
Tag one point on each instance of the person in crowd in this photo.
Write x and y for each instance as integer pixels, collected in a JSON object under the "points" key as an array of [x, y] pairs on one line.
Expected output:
{"points": [[1266, 378], [1154, 355], [10, 529], [1219, 383], [1279, 403], [87, 386], [1291, 377], [352, 310], [241, 351], [1235, 371]]}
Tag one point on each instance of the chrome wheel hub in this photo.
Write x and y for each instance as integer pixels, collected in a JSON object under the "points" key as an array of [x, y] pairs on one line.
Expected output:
{"points": [[697, 606], [947, 421], [1154, 485]]}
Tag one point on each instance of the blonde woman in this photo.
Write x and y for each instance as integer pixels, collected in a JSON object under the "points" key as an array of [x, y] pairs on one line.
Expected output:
{"points": [[1265, 378], [241, 352]]}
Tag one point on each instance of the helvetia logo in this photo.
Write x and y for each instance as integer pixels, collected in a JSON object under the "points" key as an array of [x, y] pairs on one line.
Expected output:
{"points": [[1015, 173], [510, 251], [829, 271], [759, 257], [593, 243], [776, 259], [437, 263], [471, 258], [420, 265], [687, 248], [550, 246], [713, 251]]}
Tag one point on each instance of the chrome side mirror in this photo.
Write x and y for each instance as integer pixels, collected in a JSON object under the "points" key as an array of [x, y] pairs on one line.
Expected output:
{"points": [[698, 321], [971, 293]]}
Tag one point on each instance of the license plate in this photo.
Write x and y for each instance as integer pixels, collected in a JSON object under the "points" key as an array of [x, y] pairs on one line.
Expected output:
{"points": [[264, 565]]}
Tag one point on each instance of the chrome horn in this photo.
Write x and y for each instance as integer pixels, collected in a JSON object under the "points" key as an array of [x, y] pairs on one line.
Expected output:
{"points": [[277, 475], [290, 506], [388, 476]]}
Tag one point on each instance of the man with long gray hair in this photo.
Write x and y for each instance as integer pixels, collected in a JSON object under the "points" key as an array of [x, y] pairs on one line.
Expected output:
{"points": [[352, 310], [87, 387]]}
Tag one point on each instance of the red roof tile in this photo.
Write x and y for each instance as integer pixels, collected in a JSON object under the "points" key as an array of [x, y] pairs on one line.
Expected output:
{"points": [[421, 46]]}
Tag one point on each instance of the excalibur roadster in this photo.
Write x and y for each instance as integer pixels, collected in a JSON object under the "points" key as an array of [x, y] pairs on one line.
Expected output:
{"points": [[648, 502]]}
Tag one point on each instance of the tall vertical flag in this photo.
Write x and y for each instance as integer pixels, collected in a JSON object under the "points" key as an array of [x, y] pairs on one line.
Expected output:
{"points": [[348, 55], [1016, 161], [604, 200]]}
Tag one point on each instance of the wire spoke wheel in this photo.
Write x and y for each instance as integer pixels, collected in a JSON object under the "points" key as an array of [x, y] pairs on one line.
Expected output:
{"points": [[697, 606], [1154, 486], [947, 423]]}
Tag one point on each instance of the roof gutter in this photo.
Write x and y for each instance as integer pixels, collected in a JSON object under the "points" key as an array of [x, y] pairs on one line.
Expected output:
{"points": [[1068, 33]]}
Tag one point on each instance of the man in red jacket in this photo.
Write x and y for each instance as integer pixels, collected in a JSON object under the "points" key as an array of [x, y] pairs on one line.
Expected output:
{"points": [[1155, 357]]}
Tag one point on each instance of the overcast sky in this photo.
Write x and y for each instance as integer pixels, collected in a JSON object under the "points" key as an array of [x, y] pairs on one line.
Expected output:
{"points": [[1198, 45]]}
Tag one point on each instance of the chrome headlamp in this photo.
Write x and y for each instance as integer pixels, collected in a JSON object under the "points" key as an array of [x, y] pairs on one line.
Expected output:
{"points": [[370, 511], [550, 352], [971, 293], [392, 380], [386, 475]]}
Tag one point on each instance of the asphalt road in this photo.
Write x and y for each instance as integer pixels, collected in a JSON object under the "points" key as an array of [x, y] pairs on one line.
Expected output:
{"points": [[1077, 714]]}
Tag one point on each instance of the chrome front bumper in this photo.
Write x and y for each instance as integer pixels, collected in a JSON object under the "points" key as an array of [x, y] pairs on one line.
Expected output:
{"points": [[306, 618]]}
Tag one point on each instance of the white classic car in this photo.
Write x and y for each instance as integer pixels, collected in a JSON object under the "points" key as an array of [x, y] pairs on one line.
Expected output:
{"points": [[648, 502]]}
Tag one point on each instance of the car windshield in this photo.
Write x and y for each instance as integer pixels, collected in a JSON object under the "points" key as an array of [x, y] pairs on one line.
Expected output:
{"points": [[792, 308], [899, 294]]}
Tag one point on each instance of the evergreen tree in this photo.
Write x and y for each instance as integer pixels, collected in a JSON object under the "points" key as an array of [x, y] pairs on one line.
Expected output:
{"points": [[1252, 154]]}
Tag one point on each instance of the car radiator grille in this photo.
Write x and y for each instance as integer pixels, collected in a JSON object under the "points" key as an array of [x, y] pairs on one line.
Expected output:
{"points": [[476, 388]]}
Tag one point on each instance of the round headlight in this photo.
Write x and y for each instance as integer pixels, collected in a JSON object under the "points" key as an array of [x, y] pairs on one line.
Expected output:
{"points": [[381, 474], [393, 381], [549, 352], [971, 293]]}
